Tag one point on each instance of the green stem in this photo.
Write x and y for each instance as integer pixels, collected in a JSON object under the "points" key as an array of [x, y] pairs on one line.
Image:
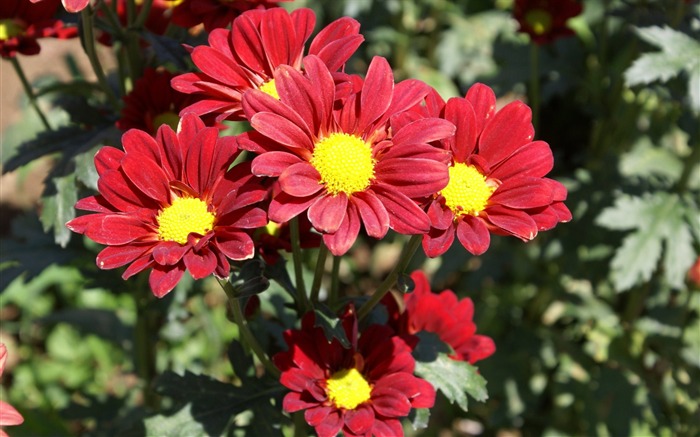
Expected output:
{"points": [[143, 14], [406, 255], [303, 301], [91, 52], [318, 273], [30, 92], [300, 427], [335, 281], [144, 343], [244, 330], [534, 97]]}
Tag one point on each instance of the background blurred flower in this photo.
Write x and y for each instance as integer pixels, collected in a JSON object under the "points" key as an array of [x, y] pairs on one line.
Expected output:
{"points": [[22, 23], [8, 414], [69, 5], [169, 204], [545, 20], [245, 57], [694, 273], [497, 182], [215, 14], [443, 314], [340, 165], [361, 390]]}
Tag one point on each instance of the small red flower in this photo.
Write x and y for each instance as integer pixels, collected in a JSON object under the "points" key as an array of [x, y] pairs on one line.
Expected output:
{"points": [[153, 102], [361, 391], [69, 5], [245, 57], [215, 14], [336, 158], [9, 416], [169, 204], [496, 183], [22, 23], [442, 314], [694, 273], [545, 20]]}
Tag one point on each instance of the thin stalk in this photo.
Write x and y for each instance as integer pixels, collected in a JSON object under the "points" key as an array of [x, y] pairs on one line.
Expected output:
{"points": [[318, 273], [534, 91], [243, 328], [91, 52], [145, 346], [143, 14], [300, 427], [406, 255], [303, 301], [335, 281], [29, 92]]}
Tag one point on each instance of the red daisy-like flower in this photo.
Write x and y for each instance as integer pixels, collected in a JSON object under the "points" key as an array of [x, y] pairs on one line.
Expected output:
{"points": [[496, 179], [443, 314], [337, 160], [245, 57], [69, 5], [361, 391], [169, 204], [153, 102], [22, 23], [9, 416], [215, 14], [545, 20]]}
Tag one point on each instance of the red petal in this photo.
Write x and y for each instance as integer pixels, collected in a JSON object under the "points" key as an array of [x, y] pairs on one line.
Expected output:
{"points": [[169, 253], [218, 66], [461, 113], [316, 416], [438, 241], [513, 221], [413, 177], [108, 158], [389, 402], [426, 398], [304, 21], [300, 180], [147, 176], [483, 101], [374, 216], [424, 130], [337, 53], [384, 427], [112, 257], [140, 142], [376, 92], [200, 159], [323, 95], [440, 216], [163, 279], [331, 424], [328, 212], [407, 94], [405, 216], [200, 263], [142, 263], [94, 204], [343, 239], [300, 94], [360, 420], [248, 43], [341, 28], [9, 416], [285, 207], [509, 130], [278, 51], [533, 159], [281, 130], [522, 193], [293, 402], [473, 234], [110, 229], [235, 245], [75, 5]]}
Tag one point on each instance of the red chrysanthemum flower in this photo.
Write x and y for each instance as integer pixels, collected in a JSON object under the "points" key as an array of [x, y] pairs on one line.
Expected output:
{"points": [[338, 161], [169, 204], [246, 56], [443, 314], [69, 5], [496, 183], [22, 23], [361, 391], [153, 102], [215, 14], [545, 20], [9, 416]]}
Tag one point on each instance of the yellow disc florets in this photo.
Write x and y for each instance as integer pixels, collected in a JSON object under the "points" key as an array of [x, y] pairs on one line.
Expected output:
{"points": [[270, 89], [467, 191], [10, 28], [184, 216], [348, 388], [540, 21], [345, 163]]}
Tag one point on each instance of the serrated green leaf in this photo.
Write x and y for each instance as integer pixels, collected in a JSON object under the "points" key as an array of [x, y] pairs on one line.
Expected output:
{"points": [[646, 160], [180, 424], [421, 416], [58, 208], [650, 67], [331, 325], [679, 254], [628, 213], [667, 39], [455, 379]]}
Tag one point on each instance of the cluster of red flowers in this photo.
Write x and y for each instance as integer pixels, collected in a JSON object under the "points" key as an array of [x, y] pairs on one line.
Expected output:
{"points": [[345, 153]]}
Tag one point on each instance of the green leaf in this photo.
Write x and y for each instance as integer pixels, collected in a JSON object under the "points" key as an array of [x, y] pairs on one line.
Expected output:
{"points": [[250, 280], [658, 220], [420, 418], [330, 323], [645, 161], [180, 424], [58, 208], [455, 379]]}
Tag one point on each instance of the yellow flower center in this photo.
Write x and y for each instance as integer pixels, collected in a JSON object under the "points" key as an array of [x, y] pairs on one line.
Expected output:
{"points": [[540, 21], [273, 228], [185, 216], [10, 28], [467, 191], [348, 388], [270, 89], [169, 118], [173, 3], [345, 163]]}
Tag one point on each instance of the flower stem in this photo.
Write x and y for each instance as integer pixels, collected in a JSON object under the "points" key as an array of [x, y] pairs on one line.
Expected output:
{"points": [[144, 342], [300, 428], [30, 92], [245, 332], [91, 52], [534, 90], [318, 273], [406, 255], [303, 301], [335, 282]]}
